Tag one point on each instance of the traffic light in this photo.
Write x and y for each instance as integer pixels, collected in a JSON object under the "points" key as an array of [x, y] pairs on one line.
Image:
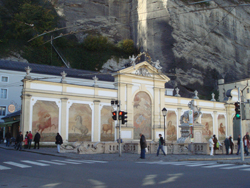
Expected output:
{"points": [[120, 115], [124, 117], [237, 110], [114, 115]]}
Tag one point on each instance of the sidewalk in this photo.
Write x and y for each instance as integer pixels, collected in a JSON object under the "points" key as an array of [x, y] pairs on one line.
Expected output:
{"points": [[235, 159]]}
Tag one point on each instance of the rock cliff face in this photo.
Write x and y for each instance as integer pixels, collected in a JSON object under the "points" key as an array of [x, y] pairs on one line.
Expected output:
{"points": [[199, 42]]}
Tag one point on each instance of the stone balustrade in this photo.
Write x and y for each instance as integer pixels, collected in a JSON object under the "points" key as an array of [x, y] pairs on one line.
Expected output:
{"points": [[134, 147]]}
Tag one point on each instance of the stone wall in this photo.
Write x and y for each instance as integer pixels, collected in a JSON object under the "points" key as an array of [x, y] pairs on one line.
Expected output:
{"points": [[200, 43]]}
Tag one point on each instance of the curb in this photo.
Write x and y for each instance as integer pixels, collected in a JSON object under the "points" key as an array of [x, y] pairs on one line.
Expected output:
{"points": [[219, 160]]}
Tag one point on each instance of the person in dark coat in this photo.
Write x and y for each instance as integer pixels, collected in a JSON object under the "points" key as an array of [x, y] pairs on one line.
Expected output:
{"points": [[37, 140], [59, 141], [227, 144], [231, 142], [161, 143], [143, 145], [7, 137], [215, 140], [238, 143], [245, 141], [19, 140]]}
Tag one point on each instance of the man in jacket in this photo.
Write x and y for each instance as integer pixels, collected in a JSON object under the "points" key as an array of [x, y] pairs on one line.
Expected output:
{"points": [[19, 140], [7, 137], [143, 145], [238, 143], [30, 136], [37, 140], [59, 141], [231, 144], [161, 143], [227, 144]]}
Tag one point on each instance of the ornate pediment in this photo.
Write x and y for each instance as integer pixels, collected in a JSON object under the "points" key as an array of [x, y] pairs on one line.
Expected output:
{"points": [[142, 71]]}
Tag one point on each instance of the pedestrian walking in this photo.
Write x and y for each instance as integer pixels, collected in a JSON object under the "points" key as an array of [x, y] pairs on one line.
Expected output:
{"points": [[161, 143], [227, 144], [245, 141], [231, 143], [248, 143], [211, 145], [7, 137], [37, 140], [59, 141], [19, 140], [30, 137], [216, 143], [143, 145], [238, 144]]}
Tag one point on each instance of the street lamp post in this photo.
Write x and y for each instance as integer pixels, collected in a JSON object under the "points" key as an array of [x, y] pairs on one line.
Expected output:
{"points": [[164, 113]]}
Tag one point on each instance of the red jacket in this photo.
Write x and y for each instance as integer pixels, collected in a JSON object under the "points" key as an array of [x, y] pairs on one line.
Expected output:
{"points": [[30, 136]]}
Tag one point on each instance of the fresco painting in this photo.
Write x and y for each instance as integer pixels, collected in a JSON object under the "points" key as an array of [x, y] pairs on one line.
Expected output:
{"points": [[207, 121], [221, 127], [142, 115], [171, 126], [107, 124], [80, 122], [45, 120]]}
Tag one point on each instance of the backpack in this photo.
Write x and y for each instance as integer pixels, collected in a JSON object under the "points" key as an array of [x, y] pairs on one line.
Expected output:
{"points": [[217, 145]]}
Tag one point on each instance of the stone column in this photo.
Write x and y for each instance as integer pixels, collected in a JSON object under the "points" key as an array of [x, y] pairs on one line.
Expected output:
{"points": [[129, 104], [178, 130], [26, 125], [96, 123], [215, 124], [64, 118], [229, 122]]}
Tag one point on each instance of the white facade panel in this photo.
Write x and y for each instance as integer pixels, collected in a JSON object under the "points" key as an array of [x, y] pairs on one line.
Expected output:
{"points": [[171, 100], [206, 104], [142, 82], [185, 101], [219, 105], [107, 94], [80, 91], [45, 87], [126, 134]]}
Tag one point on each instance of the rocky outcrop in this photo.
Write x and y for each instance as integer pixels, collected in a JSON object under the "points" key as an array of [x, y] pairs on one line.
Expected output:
{"points": [[200, 43]]}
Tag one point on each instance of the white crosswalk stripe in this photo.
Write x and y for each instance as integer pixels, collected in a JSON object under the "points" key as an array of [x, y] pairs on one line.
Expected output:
{"points": [[4, 167], [17, 164], [246, 169], [46, 163], [69, 162], [236, 166], [202, 164], [216, 166], [51, 162], [35, 163], [86, 161]]}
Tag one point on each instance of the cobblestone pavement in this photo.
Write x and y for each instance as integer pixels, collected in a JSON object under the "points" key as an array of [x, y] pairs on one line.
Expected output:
{"points": [[135, 157]]}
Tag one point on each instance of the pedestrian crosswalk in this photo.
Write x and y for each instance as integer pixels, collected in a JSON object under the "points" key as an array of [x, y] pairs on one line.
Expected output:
{"points": [[202, 164], [7, 165]]}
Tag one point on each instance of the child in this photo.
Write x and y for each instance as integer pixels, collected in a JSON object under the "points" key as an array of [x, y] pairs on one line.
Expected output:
{"points": [[26, 142]]}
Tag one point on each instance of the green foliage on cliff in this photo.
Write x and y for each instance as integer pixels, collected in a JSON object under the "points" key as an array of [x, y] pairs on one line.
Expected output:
{"points": [[21, 20]]}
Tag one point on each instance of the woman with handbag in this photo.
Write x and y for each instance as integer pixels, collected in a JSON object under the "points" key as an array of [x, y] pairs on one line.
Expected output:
{"points": [[59, 141], [143, 145]]}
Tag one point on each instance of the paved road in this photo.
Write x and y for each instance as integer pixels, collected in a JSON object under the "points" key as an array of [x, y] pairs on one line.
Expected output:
{"points": [[23, 169]]}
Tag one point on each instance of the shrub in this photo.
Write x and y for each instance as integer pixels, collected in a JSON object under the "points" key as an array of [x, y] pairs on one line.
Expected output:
{"points": [[127, 46]]}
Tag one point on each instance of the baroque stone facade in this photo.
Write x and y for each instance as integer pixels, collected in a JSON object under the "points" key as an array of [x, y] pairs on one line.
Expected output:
{"points": [[83, 113]]}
